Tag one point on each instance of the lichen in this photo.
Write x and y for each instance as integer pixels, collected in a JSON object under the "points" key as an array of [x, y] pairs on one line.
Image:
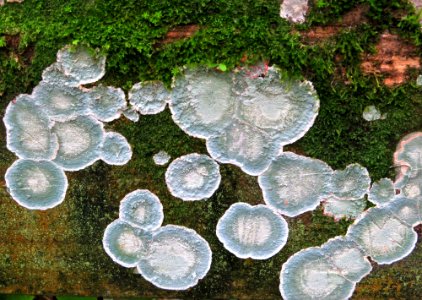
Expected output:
{"points": [[256, 232], [382, 191], [36, 184], [28, 130], [81, 64], [106, 102], [80, 142], [193, 177], [352, 183], [115, 149], [343, 208], [149, 97], [142, 209], [371, 113], [161, 158], [177, 259], [294, 10], [294, 184]]}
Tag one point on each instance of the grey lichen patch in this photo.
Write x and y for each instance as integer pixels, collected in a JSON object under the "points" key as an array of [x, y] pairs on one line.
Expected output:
{"points": [[149, 97], [309, 274], [125, 244], [407, 210], [382, 236], [82, 64], [294, 10], [285, 109], [347, 258], [294, 184], [343, 208], [115, 149], [408, 158], [142, 209], [106, 102], [256, 232], [245, 146], [80, 142], [202, 102], [419, 80], [131, 114], [382, 192], [193, 177], [36, 184], [177, 259], [352, 183], [161, 158], [371, 113], [61, 102], [54, 76], [29, 130]]}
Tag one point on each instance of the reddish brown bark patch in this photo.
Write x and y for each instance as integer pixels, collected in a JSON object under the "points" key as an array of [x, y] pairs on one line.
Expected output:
{"points": [[179, 32], [353, 18], [392, 59]]}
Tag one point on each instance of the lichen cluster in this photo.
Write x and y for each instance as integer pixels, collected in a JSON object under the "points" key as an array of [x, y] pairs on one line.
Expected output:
{"points": [[170, 257], [59, 127]]}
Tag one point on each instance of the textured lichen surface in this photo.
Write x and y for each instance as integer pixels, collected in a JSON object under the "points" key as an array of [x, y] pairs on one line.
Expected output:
{"points": [[35, 259]]}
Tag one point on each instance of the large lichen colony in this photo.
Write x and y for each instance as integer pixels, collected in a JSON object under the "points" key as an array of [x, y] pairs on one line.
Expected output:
{"points": [[246, 117]]}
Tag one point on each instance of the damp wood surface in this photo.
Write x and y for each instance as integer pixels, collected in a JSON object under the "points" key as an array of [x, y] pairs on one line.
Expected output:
{"points": [[357, 53]]}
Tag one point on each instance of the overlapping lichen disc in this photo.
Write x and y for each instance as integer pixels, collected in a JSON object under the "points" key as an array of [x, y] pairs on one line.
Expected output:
{"points": [[193, 177], [294, 184], [125, 244], [177, 258], [115, 149], [142, 209], [149, 97], [80, 142], [36, 184], [28, 130], [202, 103], [81, 63], [255, 232], [106, 103]]}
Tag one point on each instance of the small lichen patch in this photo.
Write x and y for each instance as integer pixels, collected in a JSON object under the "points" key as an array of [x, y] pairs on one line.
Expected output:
{"points": [[124, 243], [371, 113], [294, 10], [177, 258], [408, 158], [36, 185], [161, 158], [81, 64], [142, 209], [343, 208], [382, 236], [193, 177], [115, 149], [149, 97], [80, 142], [28, 130], [294, 184], [382, 192], [61, 102], [352, 183], [106, 102], [255, 232]]}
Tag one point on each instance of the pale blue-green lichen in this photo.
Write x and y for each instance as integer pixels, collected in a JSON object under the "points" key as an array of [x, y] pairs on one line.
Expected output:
{"points": [[80, 142], [351, 183], [106, 102], [115, 149], [149, 97], [161, 158], [193, 177], [343, 208], [294, 10], [256, 232], [61, 102], [81, 64], [294, 184], [142, 209], [125, 244], [382, 191], [28, 130], [36, 184], [177, 258]]}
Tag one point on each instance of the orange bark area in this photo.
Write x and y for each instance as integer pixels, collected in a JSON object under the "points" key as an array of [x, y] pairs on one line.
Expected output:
{"points": [[392, 59]]}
